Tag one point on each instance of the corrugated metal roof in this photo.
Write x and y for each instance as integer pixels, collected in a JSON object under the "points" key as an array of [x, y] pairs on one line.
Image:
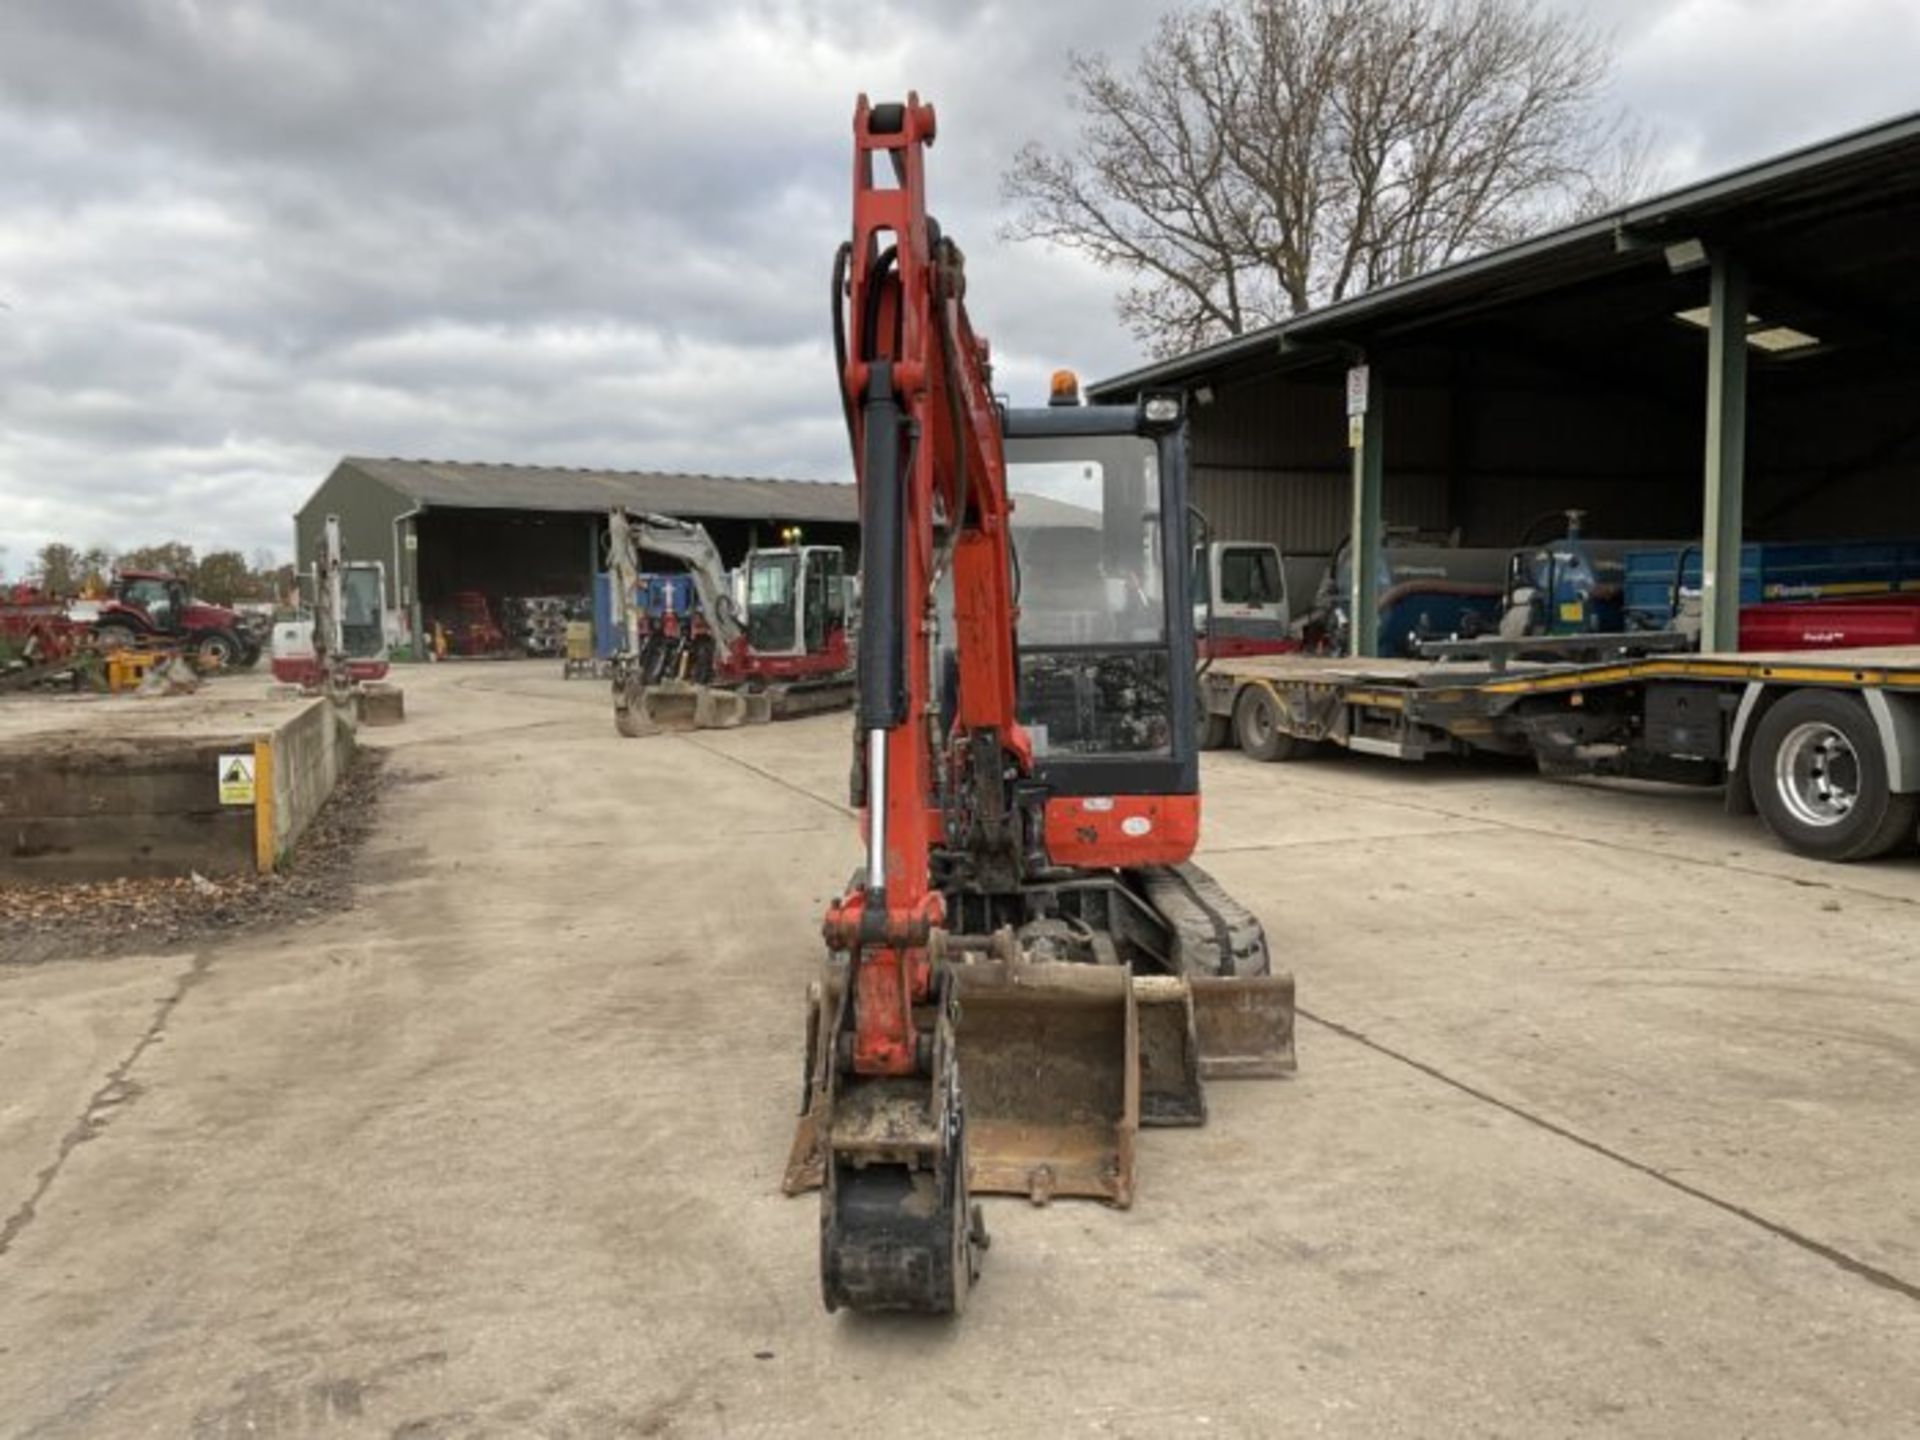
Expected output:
{"points": [[1557, 256], [468, 485]]}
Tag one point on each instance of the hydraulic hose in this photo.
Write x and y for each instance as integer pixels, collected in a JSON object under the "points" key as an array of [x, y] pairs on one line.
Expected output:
{"points": [[842, 258]]}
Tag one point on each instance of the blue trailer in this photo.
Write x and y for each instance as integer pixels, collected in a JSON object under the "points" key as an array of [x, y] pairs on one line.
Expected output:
{"points": [[1771, 572]]}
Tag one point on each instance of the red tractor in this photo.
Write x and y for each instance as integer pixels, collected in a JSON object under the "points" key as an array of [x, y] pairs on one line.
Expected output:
{"points": [[149, 606]]}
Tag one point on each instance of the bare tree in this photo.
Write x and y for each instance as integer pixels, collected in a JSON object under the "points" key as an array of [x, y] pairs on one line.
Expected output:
{"points": [[1267, 156]]}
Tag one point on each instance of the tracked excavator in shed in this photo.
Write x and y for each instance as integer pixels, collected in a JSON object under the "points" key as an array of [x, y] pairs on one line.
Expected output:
{"points": [[1028, 966]]}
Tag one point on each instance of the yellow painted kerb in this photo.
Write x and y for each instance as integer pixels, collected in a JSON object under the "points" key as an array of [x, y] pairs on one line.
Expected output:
{"points": [[263, 806]]}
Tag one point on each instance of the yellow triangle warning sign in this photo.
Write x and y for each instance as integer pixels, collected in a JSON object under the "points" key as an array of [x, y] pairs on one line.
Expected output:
{"points": [[235, 774]]}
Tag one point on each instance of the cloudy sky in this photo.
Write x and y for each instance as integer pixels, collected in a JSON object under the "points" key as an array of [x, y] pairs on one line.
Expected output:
{"points": [[239, 238]]}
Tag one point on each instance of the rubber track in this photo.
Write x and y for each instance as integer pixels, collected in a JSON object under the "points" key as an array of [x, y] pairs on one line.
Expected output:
{"points": [[1214, 934]]}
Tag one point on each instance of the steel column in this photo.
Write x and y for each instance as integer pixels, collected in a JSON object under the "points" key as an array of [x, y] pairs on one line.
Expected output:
{"points": [[1363, 546], [1726, 468]]}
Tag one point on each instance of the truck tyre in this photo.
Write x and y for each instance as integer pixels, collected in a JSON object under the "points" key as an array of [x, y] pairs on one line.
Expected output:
{"points": [[218, 650], [1216, 732], [1256, 725], [1818, 775]]}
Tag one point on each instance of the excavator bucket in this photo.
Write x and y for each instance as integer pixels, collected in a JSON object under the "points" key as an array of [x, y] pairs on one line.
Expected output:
{"points": [[1048, 1061], [1244, 1025], [629, 718], [1171, 1091], [1048, 1056]]}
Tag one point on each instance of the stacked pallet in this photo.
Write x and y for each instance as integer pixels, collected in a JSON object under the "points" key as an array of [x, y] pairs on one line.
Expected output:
{"points": [[537, 624]]}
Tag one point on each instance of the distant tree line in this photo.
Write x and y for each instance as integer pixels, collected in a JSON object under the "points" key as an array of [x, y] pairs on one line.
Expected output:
{"points": [[224, 577]]}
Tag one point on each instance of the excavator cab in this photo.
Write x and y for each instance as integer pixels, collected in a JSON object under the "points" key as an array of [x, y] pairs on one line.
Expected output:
{"points": [[795, 600], [1105, 653]]}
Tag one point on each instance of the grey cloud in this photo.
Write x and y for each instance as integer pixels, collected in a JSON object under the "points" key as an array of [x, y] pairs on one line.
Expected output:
{"points": [[240, 239]]}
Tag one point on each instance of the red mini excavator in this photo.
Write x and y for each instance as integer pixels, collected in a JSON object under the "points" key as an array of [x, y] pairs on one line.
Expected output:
{"points": [[1027, 967]]}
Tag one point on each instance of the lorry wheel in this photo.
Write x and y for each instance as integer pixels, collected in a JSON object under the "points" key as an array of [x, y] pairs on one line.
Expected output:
{"points": [[1819, 779], [1216, 732], [217, 650], [1256, 725]]}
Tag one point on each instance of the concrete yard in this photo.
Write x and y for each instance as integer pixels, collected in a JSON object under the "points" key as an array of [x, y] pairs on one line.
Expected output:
{"points": [[1605, 1124]]}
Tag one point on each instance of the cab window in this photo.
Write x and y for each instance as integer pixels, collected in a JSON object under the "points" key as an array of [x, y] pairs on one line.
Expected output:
{"points": [[1249, 577]]}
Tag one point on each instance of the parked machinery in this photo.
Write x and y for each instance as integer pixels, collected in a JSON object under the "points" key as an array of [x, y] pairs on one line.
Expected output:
{"points": [[41, 641], [463, 625], [1026, 967], [1807, 595], [1574, 585], [784, 654], [343, 643], [1240, 602], [1426, 591], [148, 608]]}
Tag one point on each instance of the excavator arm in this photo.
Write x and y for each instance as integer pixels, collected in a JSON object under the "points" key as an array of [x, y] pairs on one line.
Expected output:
{"points": [[623, 559], [690, 544], [933, 499]]}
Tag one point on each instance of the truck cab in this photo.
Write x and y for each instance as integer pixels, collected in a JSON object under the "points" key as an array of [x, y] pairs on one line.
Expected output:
{"points": [[1240, 604]]}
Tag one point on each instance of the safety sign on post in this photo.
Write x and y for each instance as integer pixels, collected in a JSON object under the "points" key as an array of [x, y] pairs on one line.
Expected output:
{"points": [[236, 779]]}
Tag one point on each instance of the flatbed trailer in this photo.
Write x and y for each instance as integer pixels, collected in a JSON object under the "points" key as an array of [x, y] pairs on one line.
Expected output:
{"points": [[1823, 745]]}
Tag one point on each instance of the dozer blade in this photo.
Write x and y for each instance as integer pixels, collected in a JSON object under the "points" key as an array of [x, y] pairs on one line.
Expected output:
{"points": [[677, 705], [1244, 1025], [1048, 1061], [727, 709], [669, 705]]}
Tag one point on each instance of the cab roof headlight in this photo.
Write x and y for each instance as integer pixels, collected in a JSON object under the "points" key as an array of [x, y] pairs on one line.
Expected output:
{"points": [[1160, 409]]}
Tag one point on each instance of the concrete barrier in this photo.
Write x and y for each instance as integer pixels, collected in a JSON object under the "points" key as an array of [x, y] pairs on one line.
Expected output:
{"points": [[302, 760], [93, 805]]}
